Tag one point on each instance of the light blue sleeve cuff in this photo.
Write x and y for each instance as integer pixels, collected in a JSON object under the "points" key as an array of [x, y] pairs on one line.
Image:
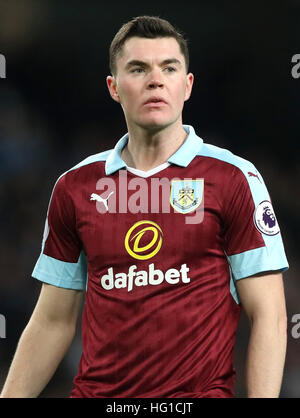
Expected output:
{"points": [[256, 261], [61, 273]]}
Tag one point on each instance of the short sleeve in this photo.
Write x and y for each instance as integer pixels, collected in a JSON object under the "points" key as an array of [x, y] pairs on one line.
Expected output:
{"points": [[252, 237], [62, 261]]}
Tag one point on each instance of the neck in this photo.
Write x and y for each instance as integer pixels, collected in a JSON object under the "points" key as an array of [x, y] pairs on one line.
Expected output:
{"points": [[146, 149]]}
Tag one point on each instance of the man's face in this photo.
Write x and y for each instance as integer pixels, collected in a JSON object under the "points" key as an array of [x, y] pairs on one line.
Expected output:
{"points": [[151, 82]]}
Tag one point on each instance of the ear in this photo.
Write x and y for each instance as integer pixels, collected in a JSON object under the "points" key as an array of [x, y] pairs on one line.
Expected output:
{"points": [[189, 86], [112, 87]]}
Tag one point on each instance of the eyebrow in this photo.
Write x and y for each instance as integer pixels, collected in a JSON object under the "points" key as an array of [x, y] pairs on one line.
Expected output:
{"points": [[132, 63]]}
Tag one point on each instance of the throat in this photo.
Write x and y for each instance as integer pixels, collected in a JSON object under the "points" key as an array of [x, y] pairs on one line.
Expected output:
{"points": [[147, 156], [145, 160]]}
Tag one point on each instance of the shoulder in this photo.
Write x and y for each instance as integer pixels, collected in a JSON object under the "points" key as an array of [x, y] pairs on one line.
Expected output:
{"points": [[86, 165], [233, 173], [226, 156], [92, 159], [82, 170], [227, 163]]}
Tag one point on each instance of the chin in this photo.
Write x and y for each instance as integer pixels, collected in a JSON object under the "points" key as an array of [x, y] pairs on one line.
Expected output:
{"points": [[156, 123]]}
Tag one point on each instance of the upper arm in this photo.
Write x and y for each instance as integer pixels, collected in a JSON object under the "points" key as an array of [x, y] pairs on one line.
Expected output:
{"points": [[252, 238], [62, 261], [262, 295], [253, 244], [57, 305]]}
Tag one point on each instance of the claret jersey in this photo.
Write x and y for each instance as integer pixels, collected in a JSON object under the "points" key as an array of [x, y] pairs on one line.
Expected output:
{"points": [[158, 254]]}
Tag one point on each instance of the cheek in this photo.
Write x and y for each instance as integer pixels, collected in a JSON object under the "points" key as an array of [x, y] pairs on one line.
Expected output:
{"points": [[180, 87], [127, 93], [179, 94]]}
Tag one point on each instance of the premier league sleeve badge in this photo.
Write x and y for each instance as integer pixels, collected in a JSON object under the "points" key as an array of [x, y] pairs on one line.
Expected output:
{"points": [[265, 220]]}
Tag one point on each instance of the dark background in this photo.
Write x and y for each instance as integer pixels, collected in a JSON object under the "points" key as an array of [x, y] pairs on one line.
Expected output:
{"points": [[55, 110]]}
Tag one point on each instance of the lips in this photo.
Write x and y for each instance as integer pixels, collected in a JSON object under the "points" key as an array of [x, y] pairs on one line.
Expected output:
{"points": [[155, 99]]}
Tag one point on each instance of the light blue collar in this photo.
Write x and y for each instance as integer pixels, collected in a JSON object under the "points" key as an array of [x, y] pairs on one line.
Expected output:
{"points": [[182, 157]]}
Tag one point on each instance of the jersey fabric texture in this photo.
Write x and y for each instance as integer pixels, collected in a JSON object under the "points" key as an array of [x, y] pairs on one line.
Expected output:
{"points": [[161, 305]]}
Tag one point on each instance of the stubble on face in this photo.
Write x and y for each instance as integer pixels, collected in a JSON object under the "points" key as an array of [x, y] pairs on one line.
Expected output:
{"points": [[152, 68]]}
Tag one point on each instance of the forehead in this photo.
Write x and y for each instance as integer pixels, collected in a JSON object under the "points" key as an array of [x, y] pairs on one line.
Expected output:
{"points": [[145, 49]]}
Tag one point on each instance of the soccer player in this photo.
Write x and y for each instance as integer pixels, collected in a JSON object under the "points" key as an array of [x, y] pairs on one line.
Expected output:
{"points": [[169, 238]]}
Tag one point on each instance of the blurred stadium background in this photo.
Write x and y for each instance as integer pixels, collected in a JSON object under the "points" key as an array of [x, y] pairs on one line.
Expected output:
{"points": [[55, 110]]}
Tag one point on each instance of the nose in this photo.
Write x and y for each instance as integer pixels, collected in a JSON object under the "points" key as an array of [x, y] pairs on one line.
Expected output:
{"points": [[155, 79], [154, 84]]}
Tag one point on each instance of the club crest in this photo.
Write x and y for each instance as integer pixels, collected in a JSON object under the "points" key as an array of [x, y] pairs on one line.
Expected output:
{"points": [[186, 195]]}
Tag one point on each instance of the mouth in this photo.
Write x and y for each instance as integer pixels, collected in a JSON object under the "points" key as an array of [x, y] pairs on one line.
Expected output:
{"points": [[155, 102]]}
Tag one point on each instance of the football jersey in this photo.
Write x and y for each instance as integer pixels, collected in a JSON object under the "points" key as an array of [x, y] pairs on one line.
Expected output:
{"points": [[158, 254]]}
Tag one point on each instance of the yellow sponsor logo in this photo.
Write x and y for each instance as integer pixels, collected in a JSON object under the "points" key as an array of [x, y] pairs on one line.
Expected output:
{"points": [[134, 236]]}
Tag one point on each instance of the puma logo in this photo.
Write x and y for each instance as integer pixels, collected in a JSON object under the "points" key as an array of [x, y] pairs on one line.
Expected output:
{"points": [[253, 175], [98, 198]]}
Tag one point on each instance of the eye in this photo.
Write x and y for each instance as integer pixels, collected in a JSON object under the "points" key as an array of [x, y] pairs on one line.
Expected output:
{"points": [[137, 70], [170, 69]]}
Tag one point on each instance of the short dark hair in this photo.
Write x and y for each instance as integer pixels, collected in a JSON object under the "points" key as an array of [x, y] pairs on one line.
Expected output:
{"points": [[146, 27]]}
